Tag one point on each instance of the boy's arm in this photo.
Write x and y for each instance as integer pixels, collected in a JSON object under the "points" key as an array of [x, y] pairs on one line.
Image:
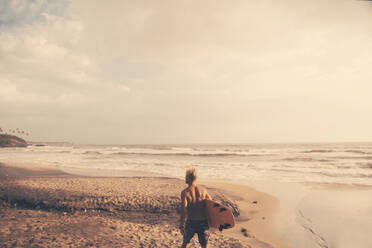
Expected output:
{"points": [[207, 196], [183, 210]]}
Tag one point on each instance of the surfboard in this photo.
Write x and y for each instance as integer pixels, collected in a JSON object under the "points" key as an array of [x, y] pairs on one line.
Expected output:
{"points": [[219, 216]]}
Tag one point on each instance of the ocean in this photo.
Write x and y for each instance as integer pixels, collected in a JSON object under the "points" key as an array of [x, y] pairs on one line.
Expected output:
{"points": [[341, 163]]}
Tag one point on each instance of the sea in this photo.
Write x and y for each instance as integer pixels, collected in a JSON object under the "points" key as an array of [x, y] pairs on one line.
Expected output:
{"points": [[342, 163], [327, 187]]}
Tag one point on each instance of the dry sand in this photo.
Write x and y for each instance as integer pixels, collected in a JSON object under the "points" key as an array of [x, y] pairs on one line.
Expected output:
{"points": [[42, 207]]}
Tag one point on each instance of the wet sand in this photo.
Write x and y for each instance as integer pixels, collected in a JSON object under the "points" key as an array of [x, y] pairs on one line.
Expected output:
{"points": [[43, 207]]}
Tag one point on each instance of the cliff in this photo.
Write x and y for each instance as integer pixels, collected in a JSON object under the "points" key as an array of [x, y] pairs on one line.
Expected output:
{"points": [[7, 140]]}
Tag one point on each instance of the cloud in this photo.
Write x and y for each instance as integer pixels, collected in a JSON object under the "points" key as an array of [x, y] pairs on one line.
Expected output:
{"points": [[187, 71], [10, 94], [18, 12], [41, 58]]}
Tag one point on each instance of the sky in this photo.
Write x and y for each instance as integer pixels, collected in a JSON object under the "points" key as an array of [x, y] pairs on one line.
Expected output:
{"points": [[185, 71]]}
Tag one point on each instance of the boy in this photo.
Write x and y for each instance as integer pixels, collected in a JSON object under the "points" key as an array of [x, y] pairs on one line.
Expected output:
{"points": [[193, 207]]}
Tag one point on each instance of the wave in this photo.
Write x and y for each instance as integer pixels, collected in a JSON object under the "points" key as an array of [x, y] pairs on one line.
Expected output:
{"points": [[358, 152], [287, 170], [302, 159], [92, 153], [344, 167], [318, 151], [183, 154], [161, 164], [161, 148], [352, 157], [365, 175], [365, 165], [338, 175]]}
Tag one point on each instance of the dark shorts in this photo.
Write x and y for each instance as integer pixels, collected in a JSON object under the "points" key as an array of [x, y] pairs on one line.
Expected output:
{"points": [[196, 226]]}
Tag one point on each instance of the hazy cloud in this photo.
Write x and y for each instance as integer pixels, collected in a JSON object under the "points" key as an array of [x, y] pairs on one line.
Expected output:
{"points": [[187, 71], [18, 12]]}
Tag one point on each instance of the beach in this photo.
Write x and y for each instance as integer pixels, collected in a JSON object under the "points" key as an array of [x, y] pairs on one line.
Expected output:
{"points": [[46, 207]]}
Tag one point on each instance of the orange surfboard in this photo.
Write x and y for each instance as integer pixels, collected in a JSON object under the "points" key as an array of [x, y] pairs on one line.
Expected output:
{"points": [[219, 216]]}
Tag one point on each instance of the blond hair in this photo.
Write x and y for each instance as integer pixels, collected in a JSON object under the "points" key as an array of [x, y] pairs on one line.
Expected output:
{"points": [[190, 175]]}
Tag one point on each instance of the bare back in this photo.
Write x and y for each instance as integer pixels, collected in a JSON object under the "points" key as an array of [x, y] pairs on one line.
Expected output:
{"points": [[195, 205]]}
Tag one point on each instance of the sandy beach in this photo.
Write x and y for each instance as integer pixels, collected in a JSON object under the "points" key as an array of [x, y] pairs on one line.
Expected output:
{"points": [[43, 207]]}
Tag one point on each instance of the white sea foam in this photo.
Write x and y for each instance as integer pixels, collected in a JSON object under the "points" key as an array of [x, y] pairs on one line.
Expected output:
{"points": [[323, 163]]}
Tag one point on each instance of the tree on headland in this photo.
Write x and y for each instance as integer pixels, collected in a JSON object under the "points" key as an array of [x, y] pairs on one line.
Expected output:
{"points": [[17, 131], [9, 139]]}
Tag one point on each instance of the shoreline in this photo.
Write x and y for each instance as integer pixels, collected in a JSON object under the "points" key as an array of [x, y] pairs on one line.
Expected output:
{"points": [[258, 212], [257, 218]]}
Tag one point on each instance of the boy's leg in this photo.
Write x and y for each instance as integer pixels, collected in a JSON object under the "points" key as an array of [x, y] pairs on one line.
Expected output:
{"points": [[203, 239], [203, 234], [189, 234], [184, 244]]}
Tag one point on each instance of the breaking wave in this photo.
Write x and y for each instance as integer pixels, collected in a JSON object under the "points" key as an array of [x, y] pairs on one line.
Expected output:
{"points": [[358, 152], [365, 165], [334, 174], [299, 159], [183, 154], [92, 153], [318, 151]]}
